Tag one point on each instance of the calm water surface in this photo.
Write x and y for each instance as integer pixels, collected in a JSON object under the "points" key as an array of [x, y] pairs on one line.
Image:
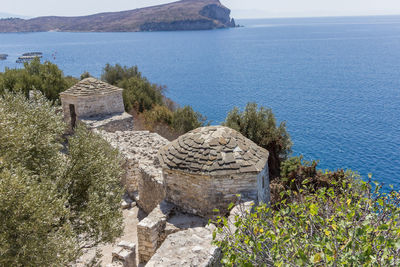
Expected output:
{"points": [[336, 81]]}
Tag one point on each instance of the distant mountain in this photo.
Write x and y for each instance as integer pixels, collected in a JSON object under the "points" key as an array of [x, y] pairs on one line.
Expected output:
{"points": [[182, 15], [8, 15]]}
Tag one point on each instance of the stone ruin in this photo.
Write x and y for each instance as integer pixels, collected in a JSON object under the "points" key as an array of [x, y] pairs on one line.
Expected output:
{"points": [[206, 168], [98, 104], [142, 179], [176, 185]]}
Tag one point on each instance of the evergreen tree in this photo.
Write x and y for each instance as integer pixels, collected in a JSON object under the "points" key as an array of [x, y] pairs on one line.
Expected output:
{"points": [[45, 77], [259, 125]]}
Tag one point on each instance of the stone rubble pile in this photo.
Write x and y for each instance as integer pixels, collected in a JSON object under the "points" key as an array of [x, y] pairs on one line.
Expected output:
{"points": [[191, 247], [125, 254], [127, 202]]}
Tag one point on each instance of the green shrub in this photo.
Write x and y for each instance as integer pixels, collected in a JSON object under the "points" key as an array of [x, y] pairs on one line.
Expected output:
{"points": [[141, 95], [159, 114], [85, 75], [71, 81], [46, 77], [259, 125], [186, 119], [182, 120], [115, 74], [358, 227], [295, 171], [30, 132], [53, 203], [147, 98]]}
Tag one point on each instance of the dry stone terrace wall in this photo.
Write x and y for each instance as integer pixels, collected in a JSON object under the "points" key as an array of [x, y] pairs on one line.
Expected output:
{"points": [[139, 149]]}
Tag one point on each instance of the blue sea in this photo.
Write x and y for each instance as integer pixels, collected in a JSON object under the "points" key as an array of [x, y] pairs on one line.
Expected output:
{"points": [[335, 81]]}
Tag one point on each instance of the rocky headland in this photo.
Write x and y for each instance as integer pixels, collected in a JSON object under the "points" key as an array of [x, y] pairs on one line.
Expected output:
{"points": [[177, 16]]}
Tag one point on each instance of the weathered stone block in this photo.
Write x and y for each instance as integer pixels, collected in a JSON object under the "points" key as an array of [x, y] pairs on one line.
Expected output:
{"points": [[125, 253], [150, 230], [127, 245]]}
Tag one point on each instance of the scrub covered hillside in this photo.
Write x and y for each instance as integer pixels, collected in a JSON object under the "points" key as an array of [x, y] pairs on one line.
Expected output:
{"points": [[181, 15]]}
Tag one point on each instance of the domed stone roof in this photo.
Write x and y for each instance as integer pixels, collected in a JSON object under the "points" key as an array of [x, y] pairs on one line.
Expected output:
{"points": [[91, 87], [214, 150]]}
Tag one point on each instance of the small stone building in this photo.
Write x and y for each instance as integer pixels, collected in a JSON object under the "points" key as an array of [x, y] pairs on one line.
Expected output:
{"points": [[97, 104], [206, 168]]}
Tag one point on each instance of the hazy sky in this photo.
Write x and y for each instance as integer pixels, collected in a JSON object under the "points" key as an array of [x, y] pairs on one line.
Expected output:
{"points": [[240, 8]]}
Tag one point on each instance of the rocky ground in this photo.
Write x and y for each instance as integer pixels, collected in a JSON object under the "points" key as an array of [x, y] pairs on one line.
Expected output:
{"points": [[191, 247], [131, 219]]}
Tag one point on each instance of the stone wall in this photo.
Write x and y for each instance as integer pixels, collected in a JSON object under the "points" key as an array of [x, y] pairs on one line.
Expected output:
{"points": [[130, 177], [264, 192], [88, 106], [151, 188], [200, 194], [139, 150], [150, 231]]}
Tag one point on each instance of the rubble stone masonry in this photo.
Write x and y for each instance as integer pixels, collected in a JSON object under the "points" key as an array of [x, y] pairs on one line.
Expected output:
{"points": [[139, 150], [196, 193]]}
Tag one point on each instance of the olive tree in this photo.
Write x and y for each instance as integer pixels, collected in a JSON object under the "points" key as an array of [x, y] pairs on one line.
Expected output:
{"points": [[57, 195]]}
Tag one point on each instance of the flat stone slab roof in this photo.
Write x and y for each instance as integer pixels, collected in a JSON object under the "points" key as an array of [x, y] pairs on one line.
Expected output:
{"points": [[91, 87], [213, 150], [111, 122]]}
